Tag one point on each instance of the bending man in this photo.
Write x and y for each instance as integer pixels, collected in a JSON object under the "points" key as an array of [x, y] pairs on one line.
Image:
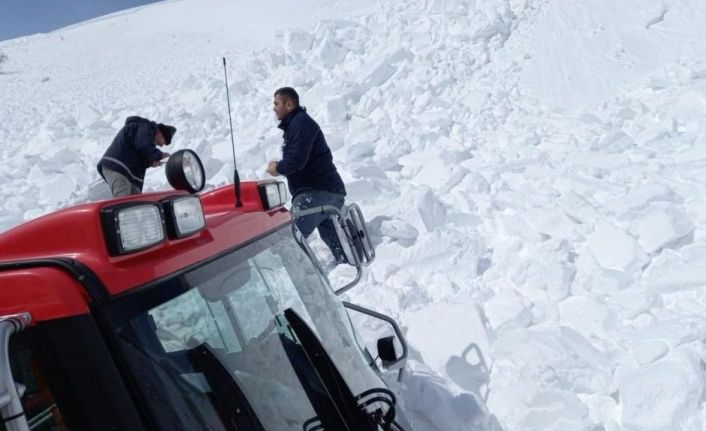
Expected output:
{"points": [[133, 150]]}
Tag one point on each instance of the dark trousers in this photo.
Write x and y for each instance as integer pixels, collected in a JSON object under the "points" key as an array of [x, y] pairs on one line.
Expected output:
{"points": [[314, 198]]}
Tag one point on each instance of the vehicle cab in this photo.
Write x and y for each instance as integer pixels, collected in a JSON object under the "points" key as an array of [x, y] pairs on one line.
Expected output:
{"points": [[179, 311]]}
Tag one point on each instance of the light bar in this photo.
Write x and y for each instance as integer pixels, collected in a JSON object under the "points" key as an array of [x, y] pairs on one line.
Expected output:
{"points": [[133, 227], [184, 216], [273, 194]]}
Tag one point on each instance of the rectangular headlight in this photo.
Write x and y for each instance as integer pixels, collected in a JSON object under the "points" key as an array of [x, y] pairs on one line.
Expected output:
{"points": [[184, 216], [133, 227], [273, 194]]}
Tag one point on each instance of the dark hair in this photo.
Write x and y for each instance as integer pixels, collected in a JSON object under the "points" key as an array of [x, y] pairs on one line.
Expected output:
{"points": [[288, 93]]}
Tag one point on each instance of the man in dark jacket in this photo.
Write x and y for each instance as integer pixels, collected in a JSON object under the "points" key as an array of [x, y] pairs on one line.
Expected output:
{"points": [[133, 150], [308, 165]]}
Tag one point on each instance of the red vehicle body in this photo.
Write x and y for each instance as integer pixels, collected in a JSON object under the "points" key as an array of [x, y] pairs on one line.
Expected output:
{"points": [[71, 359]]}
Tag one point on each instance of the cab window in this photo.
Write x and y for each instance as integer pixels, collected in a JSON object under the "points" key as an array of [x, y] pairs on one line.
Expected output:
{"points": [[38, 402]]}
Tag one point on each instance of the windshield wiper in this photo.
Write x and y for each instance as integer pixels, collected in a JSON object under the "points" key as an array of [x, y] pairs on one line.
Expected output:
{"points": [[229, 399], [353, 409]]}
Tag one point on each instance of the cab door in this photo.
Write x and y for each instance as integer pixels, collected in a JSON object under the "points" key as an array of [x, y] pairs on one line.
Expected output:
{"points": [[68, 379]]}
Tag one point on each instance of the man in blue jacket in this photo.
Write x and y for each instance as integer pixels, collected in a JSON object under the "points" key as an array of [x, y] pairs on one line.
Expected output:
{"points": [[308, 165], [133, 150]]}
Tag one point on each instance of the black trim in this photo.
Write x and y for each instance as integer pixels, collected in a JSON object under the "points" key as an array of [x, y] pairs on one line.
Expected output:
{"points": [[12, 418], [83, 274]]}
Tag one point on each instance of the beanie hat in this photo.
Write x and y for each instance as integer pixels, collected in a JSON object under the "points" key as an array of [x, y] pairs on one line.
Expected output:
{"points": [[167, 132]]}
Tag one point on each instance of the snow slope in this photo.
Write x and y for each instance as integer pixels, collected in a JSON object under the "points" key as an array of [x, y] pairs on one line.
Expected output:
{"points": [[532, 172]]}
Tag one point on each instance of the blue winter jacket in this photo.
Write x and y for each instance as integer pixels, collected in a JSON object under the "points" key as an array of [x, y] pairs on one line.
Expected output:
{"points": [[132, 150], [306, 158]]}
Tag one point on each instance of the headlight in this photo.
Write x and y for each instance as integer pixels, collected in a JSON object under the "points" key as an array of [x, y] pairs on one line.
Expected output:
{"points": [[184, 216], [273, 194], [185, 171], [133, 227]]}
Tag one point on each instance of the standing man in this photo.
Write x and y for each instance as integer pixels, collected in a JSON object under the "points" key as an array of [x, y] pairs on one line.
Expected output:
{"points": [[133, 150], [308, 165]]}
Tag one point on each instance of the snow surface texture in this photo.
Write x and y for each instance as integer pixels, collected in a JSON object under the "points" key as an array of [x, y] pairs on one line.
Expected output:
{"points": [[532, 173]]}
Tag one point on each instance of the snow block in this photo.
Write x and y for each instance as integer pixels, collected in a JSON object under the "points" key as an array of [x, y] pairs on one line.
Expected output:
{"points": [[379, 71], [614, 249], [662, 223], [297, 41], [660, 396]]}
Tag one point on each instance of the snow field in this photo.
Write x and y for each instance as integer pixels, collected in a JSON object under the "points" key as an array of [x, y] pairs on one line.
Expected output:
{"points": [[531, 172]]}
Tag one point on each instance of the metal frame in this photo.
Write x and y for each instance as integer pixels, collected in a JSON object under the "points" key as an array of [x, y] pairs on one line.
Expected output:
{"points": [[13, 414], [331, 210], [402, 360]]}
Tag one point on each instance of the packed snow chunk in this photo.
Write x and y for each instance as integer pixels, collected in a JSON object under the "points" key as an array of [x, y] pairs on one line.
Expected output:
{"points": [[397, 230], [363, 133], [556, 410], [490, 21], [661, 396], [382, 69], [444, 329], [578, 208], [335, 110], [640, 197], [330, 53], [88, 117], [362, 191], [57, 190], [673, 270], [560, 358], [662, 224], [587, 317], [425, 210], [297, 41], [614, 249], [507, 309], [649, 351], [431, 406], [613, 142], [634, 301], [550, 222]]}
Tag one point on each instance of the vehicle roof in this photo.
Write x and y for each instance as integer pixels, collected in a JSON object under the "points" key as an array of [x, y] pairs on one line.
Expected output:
{"points": [[77, 233]]}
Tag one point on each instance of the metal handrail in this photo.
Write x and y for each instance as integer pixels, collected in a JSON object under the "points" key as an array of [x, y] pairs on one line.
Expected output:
{"points": [[10, 404], [330, 209]]}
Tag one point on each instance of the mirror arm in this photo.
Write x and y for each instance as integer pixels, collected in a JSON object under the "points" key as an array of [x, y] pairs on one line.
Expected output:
{"points": [[398, 332], [347, 287]]}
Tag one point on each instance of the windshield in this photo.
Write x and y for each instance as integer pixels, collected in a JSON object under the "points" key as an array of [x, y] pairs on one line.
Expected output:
{"points": [[194, 340]]}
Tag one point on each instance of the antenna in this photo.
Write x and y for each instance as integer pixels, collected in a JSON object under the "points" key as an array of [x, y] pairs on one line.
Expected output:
{"points": [[236, 177]]}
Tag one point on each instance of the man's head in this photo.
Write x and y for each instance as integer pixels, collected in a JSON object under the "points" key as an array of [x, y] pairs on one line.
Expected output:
{"points": [[164, 134], [286, 100]]}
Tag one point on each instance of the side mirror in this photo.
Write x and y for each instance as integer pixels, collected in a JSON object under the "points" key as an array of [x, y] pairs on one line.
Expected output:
{"points": [[386, 345], [386, 351]]}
